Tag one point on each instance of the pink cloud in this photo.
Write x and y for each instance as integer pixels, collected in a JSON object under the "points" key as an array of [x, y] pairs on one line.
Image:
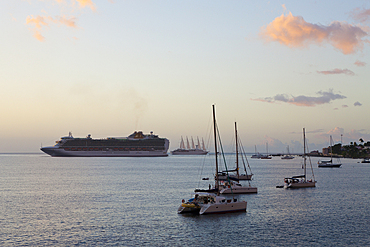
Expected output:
{"points": [[294, 31], [40, 22], [86, 3], [337, 71], [361, 15], [43, 21], [302, 100], [360, 64]]}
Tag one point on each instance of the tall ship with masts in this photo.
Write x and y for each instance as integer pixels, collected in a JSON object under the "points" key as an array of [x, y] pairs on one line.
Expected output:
{"points": [[135, 145], [198, 149]]}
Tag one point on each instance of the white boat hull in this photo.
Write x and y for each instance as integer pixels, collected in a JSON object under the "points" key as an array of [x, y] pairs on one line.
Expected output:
{"points": [[241, 177], [227, 207], [298, 185], [329, 164], [238, 190]]}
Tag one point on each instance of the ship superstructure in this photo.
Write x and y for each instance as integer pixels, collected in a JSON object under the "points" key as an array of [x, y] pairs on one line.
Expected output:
{"points": [[135, 145]]}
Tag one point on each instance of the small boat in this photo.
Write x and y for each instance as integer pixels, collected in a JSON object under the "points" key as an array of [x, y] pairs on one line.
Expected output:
{"points": [[209, 203], [366, 160], [267, 156], [239, 155], [301, 181], [330, 163], [256, 155], [288, 156], [213, 203]]}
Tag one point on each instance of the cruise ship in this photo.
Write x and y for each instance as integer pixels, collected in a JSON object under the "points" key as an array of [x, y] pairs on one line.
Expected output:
{"points": [[135, 145]]}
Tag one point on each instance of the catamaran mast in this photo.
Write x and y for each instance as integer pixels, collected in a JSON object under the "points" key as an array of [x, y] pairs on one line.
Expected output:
{"points": [[215, 138], [304, 153], [236, 151]]}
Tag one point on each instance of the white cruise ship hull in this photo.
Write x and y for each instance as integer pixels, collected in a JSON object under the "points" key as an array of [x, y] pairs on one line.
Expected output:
{"points": [[61, 152]]}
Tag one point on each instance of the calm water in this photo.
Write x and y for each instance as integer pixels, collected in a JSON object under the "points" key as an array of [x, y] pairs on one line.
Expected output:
{"points": [[133, 202]]}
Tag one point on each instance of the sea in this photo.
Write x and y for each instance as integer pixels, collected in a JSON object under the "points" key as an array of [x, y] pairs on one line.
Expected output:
{"points": [[66, 201]]}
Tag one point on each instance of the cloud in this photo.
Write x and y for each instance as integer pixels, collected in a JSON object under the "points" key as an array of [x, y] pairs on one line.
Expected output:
{"points": [[336, 131], [40, 22], [354, 136], [302, 100], [294, 31], [357, 104], [360, 64], [86, 3], [43, 21], [337, 71], [361, 15], [344, 106], [339, 134]]}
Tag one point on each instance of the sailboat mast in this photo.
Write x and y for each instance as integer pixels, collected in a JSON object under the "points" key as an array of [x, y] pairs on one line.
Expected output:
{"points": [[215, 138], [236, 151], [331, 149], [304, 153]]}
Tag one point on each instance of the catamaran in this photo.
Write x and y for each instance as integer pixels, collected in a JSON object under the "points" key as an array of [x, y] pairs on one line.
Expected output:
{"points": [[212, 203]]}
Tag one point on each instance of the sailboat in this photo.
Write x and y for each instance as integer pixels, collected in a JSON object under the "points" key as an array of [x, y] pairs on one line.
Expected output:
{"points": [[330, 163], [228, 186], [288, 156], [237, 175], [267, 156], [212, 203], [193, 150], [301, 181], [256, 155]]}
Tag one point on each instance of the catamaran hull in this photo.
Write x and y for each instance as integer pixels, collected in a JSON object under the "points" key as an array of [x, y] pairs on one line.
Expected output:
{"points": [[241, 177], [243, 190], [188, 210], [61, 152], [222, 208]]}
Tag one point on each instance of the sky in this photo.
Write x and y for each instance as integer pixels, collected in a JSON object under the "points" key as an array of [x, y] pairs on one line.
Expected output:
{"points": [[110, 67]]}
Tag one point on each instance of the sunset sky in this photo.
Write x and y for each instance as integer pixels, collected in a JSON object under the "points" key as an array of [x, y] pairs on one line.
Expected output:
{"points": [[110, 67]]}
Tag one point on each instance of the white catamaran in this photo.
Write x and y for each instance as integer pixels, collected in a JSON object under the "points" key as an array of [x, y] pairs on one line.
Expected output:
{"points": [[210, 203]]}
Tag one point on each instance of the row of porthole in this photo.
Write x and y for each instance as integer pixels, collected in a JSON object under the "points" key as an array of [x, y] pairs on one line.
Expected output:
{"points": [[106, 149]]}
